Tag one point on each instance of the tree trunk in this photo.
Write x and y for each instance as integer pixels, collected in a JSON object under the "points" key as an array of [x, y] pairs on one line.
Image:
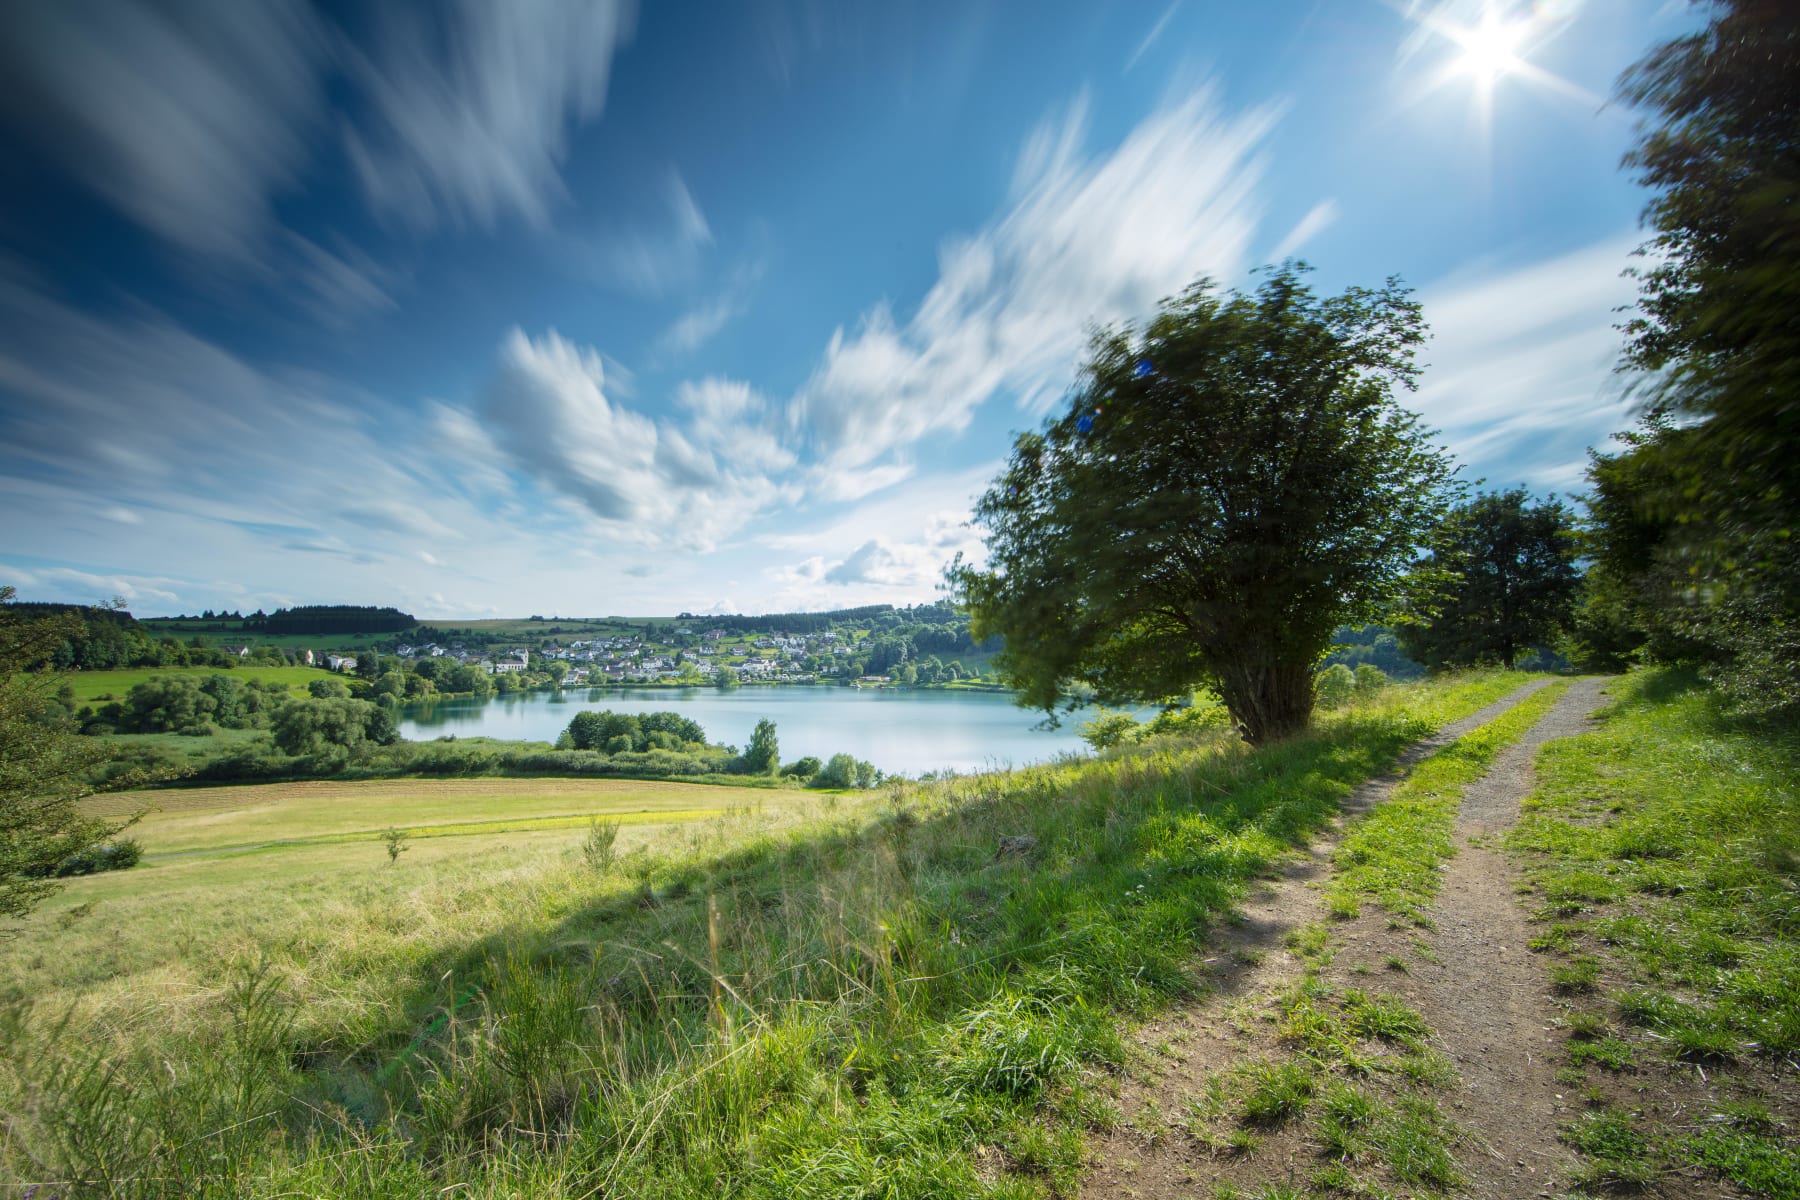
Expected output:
{"points": [[1268, 701]]}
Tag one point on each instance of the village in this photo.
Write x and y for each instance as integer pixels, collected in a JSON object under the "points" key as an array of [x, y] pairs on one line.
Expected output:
{"points": [[711, 657]]}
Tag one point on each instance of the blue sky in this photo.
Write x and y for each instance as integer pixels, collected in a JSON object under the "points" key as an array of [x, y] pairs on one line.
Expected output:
{"points": [[574, 307]]}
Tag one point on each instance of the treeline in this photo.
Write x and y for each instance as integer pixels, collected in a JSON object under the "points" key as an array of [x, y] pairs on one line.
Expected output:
{"points": [[333, 618], [811, 622], [104, 639], [617, 734], [1375, 646]]}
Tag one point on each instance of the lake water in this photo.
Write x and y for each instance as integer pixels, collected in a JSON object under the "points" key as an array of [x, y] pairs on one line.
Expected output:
{"points": [[898, 731]]}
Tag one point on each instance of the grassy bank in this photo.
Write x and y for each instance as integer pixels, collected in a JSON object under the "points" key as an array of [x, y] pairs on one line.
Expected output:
{"points": [[910, 996], [1662, 853]]}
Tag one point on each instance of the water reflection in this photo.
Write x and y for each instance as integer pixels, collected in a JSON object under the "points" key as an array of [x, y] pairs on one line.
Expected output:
{"points": [[910, 731]]}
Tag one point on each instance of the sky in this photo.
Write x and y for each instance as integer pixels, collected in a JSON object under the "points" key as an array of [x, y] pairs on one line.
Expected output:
{"points": [[579, 308]]}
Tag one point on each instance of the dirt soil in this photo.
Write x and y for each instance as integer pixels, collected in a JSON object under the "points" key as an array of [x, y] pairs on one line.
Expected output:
{"points": [[1486, 998]]}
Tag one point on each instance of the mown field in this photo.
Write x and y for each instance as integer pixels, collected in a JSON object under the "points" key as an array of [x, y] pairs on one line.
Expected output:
{"points": [[97, 686], [226, 867]]}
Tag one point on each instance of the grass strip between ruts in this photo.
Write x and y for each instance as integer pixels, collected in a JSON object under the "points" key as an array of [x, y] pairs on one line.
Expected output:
{"points": [[1393, 854]]}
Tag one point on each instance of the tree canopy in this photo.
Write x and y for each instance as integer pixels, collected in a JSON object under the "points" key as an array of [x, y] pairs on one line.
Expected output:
{"points": [[1509, 581], [1226, 489], [44, 762], [763, 754], [1718, 487]]}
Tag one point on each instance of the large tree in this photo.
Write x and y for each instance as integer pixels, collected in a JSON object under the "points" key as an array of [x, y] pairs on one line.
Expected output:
{"points": [[1717, 338], [44, 763], [1227, 488], [1509, 581]]}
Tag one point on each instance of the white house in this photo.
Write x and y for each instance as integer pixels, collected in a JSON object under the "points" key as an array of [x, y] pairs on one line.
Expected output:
{"points": [[516, 660]]}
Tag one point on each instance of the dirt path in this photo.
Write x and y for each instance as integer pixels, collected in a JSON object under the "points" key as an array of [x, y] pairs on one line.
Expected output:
{"points": [[1487, 996], [1471, 979]]}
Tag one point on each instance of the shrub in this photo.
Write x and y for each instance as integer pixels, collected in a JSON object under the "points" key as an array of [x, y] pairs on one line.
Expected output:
{"points": [[1111, 729], [845, 771], [601, 846], [804, 768], [119, 855], [1334, 686]]}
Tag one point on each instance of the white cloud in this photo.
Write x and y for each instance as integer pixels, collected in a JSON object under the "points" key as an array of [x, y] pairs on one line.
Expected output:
{"points": [[1156, 31], [1317, 220], [338, 288], [1085, 241], [651, 257], [700, 323], [156, 450], [657, 482], [472, 112], [1521, 377], [87, 587], [186, 117]]}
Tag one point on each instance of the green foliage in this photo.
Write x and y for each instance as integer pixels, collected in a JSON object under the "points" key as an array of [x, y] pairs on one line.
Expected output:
{"points": [[623, 733], [1715, 335], [1226, 490], [45, 765], [1334, 687], [1501, 578], [395, 840], [1108, 729], [600, 847], [803, 768], [1373, 645], [302, 727], [763, 754], [845, 771]]}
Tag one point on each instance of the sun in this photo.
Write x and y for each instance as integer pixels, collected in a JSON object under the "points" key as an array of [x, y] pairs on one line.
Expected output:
{"points": [[1490, 49]]}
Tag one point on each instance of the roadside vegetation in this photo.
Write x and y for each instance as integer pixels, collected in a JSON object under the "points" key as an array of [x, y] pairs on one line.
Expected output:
{"points": [[1661, 855], [1393, 855], [894, 999]]}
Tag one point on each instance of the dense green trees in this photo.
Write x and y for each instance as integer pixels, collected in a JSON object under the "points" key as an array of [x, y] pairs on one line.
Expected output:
{"points": [[316, 726], [44, 763], [620, 733], [1505, 577], [763, 754], [1698, 517], [1225, 491], [185, 704]]}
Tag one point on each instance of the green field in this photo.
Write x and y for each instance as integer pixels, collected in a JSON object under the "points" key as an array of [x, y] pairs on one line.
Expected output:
{"points": [[734, 985], [194, 821], [230, 871], [94, 686]]}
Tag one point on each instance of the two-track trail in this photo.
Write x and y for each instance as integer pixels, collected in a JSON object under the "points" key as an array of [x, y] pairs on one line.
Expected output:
{"points": [[1470, 976]]}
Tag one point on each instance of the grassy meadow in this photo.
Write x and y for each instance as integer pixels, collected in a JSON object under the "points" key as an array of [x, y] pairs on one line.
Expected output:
{"points": [[856, 996], [93, 687], [232, 863], [1661, 854]]}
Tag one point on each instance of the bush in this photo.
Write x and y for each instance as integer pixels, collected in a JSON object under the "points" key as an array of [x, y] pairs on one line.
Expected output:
{"points": [[845, 771], [1370, 679], [118, 855], [1111, 729], [803, 768], [601, 847], [1334, 686]]}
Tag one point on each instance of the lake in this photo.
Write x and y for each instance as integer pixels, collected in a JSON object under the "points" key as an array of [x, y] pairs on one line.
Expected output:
{"points": [[898, 731]]}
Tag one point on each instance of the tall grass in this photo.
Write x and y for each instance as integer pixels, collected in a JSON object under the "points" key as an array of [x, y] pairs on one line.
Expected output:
{"points": [[880, 1004]]}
